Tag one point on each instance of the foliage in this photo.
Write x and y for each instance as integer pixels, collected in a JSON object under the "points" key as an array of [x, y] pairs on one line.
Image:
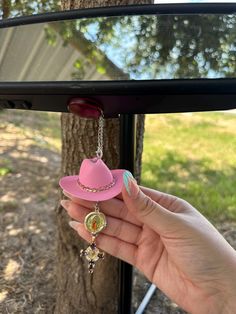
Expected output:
{"points": [[174, 46], [28, 7], [146, 47]]}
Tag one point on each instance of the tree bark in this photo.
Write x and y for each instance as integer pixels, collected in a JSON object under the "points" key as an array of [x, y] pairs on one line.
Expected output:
{"points": [[6, 8], [77, 291]]}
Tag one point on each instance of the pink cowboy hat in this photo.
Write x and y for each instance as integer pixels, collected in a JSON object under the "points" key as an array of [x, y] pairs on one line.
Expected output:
{"points": [[95, 182]]}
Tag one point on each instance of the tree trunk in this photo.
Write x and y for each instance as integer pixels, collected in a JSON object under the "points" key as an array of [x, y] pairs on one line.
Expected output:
{"points": [[6, 8], [77, 291]]}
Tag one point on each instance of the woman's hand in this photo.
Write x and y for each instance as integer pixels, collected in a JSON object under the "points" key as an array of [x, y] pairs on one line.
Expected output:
{"points": [[170, 242]]}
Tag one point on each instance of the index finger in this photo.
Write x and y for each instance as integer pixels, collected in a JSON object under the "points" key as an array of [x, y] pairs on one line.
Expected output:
{"points": [[113, 207]]}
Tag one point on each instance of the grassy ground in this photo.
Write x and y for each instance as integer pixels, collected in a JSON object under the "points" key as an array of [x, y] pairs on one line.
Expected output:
{"points": [[189, 155], [193, 156]]}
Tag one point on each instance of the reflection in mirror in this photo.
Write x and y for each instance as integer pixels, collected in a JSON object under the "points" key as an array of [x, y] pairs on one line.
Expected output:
{"points": [[11, 9], [147, 47]]}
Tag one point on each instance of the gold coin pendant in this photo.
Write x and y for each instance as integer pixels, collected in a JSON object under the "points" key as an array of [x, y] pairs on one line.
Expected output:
{"points": [[95, 222]]}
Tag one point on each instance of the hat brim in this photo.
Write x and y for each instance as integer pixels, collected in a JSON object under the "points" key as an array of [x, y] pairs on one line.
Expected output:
{"points": [[70, 185]]}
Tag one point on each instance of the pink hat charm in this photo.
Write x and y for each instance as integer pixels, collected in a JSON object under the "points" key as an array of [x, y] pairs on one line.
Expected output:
{"points": [[95, 181]]}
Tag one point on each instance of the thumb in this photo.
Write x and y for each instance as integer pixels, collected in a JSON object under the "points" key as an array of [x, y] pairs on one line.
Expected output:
{"points": [[144, 208]]}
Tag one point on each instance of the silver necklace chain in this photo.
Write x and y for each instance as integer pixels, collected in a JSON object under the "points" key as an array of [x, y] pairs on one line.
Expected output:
{"points": [[99, 151]]}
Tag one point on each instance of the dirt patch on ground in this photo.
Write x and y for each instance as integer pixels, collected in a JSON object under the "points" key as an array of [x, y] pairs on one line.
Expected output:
{"points": [[30, 168], [29, 193]]}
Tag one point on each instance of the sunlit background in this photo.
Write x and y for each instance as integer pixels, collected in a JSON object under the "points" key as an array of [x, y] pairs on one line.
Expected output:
{"points": [[191, 155]]}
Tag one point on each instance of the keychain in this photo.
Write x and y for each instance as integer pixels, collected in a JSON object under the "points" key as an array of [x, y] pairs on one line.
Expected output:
{"points": [[95, 182]]}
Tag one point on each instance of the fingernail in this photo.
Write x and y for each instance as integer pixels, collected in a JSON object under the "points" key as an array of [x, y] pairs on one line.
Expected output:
{"points": [[129, 182], [65, 203], [66, 194], [134, 188], [74, 224], [127, 176]]}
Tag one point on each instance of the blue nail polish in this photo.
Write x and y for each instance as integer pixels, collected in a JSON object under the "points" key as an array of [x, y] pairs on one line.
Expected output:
{"points": [[127, 176]]}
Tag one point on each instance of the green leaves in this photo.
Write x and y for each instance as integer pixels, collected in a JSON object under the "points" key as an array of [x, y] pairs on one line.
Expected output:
{"points": [[145, 46]]}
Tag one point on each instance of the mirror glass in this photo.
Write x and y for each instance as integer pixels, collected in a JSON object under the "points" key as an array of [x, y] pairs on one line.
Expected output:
{"points": [[146, 47]]}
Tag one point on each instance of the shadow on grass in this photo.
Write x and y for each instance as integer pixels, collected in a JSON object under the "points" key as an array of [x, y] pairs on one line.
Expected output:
{"points": [[211, 191]]}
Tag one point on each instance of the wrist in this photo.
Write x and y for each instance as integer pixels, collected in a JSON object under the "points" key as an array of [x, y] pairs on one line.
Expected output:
{"points": [[228, 304], [230, 301]]}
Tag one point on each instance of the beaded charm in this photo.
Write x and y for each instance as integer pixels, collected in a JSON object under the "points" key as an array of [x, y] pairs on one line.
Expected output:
{"points": [[94, 222]]}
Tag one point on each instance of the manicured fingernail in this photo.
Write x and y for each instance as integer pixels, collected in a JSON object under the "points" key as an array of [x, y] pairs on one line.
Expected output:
{"points": [[134, 188], [66, 194], [65, 203], [126, 177], [129, 181], [74, 224]]}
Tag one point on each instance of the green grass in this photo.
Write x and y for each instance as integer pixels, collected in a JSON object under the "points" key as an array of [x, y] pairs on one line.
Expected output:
{"points": [[4, 171], [193, 157], [5, 167]]}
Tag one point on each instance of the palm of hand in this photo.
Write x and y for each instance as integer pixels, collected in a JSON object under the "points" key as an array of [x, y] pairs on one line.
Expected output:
{"points": [[176, 261], [179, 258], [158, 258]]}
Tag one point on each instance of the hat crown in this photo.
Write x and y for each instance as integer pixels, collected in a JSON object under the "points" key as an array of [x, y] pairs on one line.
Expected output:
{"points": [[94, 173]]}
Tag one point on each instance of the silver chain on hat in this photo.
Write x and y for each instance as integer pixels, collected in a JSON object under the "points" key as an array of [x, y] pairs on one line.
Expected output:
{"points": [[95, 221], [99, 151]]}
